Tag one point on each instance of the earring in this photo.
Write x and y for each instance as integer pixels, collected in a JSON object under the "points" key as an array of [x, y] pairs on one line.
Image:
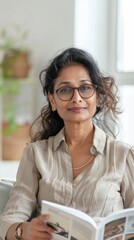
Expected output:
{"points": [[53, 109]]}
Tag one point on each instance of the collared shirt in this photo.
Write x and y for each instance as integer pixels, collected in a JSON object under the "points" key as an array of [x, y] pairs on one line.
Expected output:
{"points": [[45, 172]]}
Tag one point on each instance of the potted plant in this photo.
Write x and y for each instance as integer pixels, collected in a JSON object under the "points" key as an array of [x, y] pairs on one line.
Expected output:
{"points": [[8, 91], [14, 135], [15, 62], [14, 66]]}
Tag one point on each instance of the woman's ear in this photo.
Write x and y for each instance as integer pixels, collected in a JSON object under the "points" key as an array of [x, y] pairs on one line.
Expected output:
{"points": [[52, 101], [100, 101], [97, 100]]}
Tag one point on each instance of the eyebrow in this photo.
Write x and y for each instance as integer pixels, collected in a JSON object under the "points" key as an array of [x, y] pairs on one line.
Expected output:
{"points": [[67, 82]]}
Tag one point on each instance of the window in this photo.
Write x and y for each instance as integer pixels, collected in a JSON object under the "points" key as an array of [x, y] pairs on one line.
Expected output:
{"points": [[123, 66], [105, 29], [125, 36]]}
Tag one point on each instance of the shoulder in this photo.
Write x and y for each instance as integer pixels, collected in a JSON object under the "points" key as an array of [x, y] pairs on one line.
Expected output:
{"points": [[121, 154], [120, 147], [52, 142], [38, 143]]}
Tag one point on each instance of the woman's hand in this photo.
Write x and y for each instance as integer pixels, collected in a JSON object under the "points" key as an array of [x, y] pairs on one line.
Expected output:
{"points": [[37, 229]]}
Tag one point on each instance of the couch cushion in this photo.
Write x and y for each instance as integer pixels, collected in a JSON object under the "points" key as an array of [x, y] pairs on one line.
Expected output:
{"points": [[4, 194]]}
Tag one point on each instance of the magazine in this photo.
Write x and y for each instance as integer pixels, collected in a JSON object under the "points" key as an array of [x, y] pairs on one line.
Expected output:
{"points": [[72, 224]]}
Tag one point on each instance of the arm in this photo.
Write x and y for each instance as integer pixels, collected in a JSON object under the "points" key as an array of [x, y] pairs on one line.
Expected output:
{"points": [[128, 181], [22, 199], [36, 229]]}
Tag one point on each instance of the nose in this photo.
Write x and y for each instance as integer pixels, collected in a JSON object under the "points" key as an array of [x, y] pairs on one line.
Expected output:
{"points": [[76, 96]]}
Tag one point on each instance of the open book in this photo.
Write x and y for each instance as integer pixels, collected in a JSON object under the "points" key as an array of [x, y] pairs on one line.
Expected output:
{"points": [[72, 224]]}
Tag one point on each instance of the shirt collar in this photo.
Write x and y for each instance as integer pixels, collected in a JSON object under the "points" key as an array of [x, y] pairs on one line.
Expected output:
{"points": [[99, 139], [59, 138]]}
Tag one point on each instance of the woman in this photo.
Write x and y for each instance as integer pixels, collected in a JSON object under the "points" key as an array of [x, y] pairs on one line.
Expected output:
{"points": [[71, 160]]}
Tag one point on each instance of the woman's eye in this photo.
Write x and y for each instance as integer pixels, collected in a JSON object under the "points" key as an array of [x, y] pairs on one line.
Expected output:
{"points": [[65, 90], [85, 87]]}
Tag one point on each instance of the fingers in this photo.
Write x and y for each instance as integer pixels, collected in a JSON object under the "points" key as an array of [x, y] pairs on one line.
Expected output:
{"points": [[38, 229], [41, 221]]}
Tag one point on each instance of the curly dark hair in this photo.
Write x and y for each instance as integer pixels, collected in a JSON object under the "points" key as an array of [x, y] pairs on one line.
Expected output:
{"points": [[50, 122]]}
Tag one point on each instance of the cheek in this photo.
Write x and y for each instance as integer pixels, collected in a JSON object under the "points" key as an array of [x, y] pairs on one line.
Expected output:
{"points": [[92, 106], [61, 108], [92, 102]]}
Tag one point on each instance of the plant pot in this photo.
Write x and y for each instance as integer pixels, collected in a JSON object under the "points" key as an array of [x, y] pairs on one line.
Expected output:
{"points": [[15, 64], [13, 145]]}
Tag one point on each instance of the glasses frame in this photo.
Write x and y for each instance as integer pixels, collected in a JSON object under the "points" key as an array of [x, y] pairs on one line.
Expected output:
{"points": [[78, 89]]}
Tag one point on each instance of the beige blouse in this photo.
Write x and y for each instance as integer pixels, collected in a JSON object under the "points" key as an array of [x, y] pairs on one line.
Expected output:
{"points": [[45, 172]]}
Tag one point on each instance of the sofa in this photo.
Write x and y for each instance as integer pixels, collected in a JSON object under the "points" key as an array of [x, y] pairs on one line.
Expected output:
{"points": [[5, 187]]}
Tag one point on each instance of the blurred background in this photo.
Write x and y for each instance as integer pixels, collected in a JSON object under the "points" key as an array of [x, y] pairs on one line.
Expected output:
{"points": [[34, 31]]}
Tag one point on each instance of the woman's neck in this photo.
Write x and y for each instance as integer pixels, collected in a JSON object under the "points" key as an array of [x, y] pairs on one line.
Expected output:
{"points": [[77, 134]]}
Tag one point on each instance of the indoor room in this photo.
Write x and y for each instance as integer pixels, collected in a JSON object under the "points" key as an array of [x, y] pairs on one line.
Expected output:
{"points": [[44, 28], [66, 119]]}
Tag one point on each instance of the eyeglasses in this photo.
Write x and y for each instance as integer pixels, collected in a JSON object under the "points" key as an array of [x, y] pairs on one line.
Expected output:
{"points": [[67, 93]]}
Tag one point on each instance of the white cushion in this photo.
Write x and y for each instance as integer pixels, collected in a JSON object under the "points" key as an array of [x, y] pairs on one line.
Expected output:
{"points": [[5, 188]]}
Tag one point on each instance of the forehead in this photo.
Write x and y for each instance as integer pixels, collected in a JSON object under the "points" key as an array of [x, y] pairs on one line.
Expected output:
{"points": [[74, 72], [74, 68]]}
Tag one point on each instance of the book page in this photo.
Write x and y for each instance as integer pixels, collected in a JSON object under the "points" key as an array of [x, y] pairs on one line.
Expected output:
{"points": [[68, 225], [118, 226]]}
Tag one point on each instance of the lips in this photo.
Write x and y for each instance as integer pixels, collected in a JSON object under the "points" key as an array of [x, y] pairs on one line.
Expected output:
{"points": [[76, 109]]}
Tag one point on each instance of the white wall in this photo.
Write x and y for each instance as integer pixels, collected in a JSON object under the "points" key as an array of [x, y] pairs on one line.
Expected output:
{"points": [[57, 24], [92, 29], [50, 24]]}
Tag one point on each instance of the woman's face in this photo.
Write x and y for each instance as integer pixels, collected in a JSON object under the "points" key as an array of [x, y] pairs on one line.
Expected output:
{"points": [[77, 109]]}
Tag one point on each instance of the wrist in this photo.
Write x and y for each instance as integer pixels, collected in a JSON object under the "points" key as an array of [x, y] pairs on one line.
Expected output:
{"points": [[19, 231]]}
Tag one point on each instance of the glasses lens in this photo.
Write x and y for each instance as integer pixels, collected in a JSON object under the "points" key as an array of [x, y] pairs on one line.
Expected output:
{"points": [[86, 91], [65, 93]]}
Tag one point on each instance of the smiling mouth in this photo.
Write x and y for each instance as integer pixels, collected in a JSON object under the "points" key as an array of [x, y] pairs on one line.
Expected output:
{"points": [[76, 109]]}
